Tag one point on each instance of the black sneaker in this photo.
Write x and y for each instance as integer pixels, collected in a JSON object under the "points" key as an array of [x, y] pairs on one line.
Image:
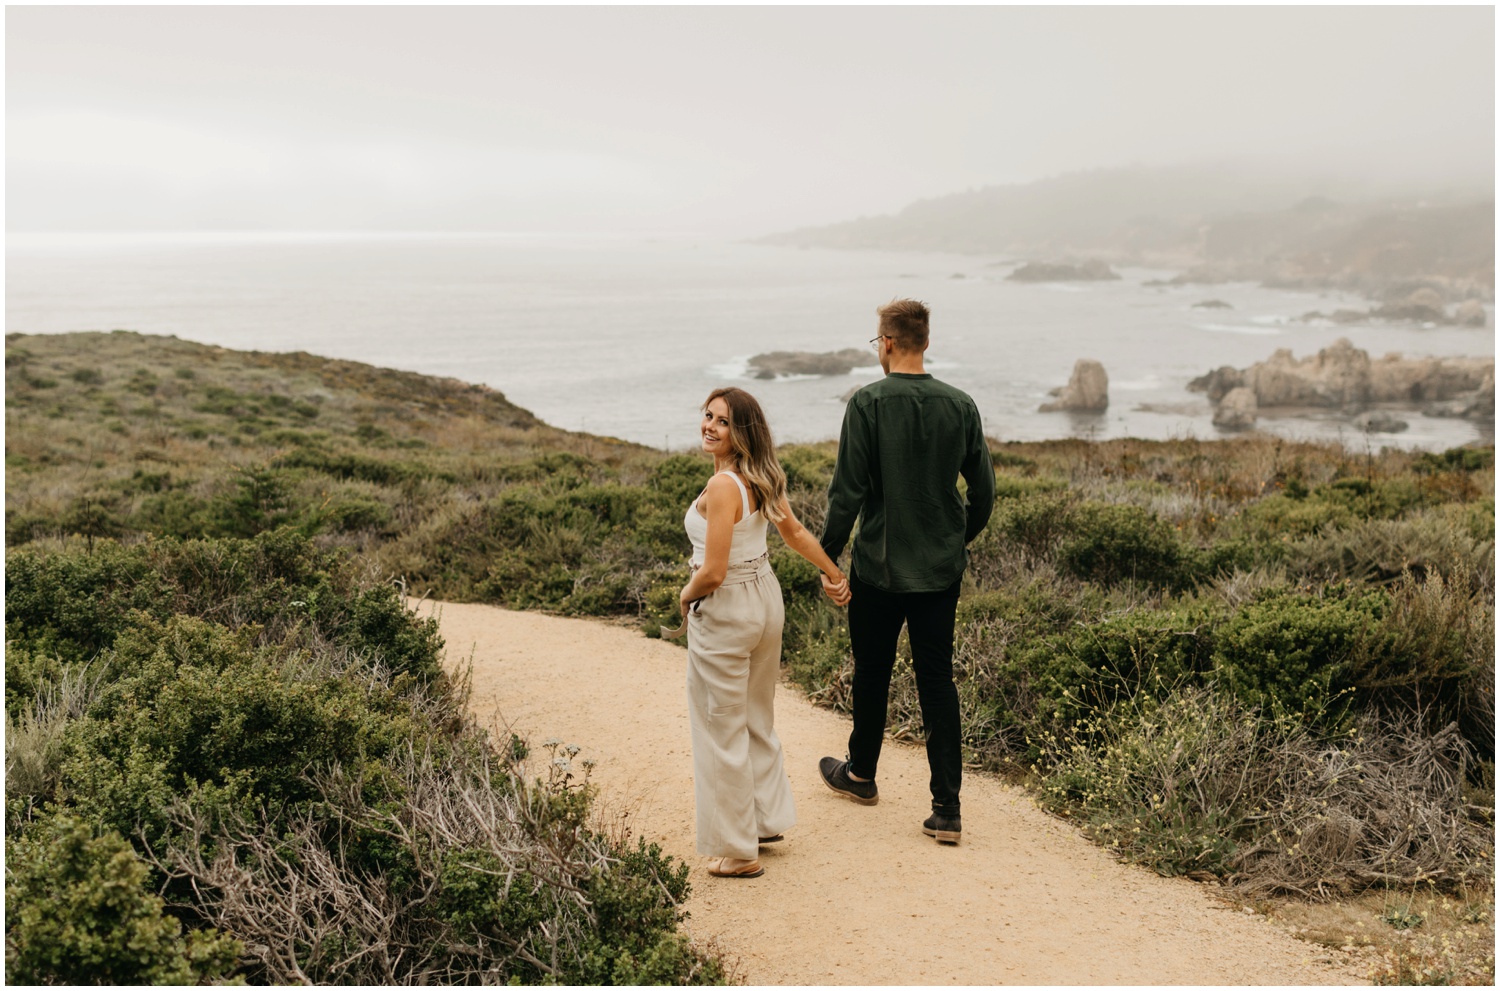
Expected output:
{"points": [[947, 829], [836, 776]]}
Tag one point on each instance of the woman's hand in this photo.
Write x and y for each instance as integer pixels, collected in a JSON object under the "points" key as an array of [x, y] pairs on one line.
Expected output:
{"points": [[684, 602], [838, 591]]}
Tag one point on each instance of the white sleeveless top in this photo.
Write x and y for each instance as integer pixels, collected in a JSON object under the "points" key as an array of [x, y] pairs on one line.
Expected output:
{"points": [[749, 539]]}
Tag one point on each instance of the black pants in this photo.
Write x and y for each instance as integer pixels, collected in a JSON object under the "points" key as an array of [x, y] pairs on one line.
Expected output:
{"points": [[875, 620]]}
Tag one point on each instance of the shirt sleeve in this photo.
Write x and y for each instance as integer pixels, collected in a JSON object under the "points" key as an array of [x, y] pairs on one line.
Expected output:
{"points": [[851, 480], [979, 475]]}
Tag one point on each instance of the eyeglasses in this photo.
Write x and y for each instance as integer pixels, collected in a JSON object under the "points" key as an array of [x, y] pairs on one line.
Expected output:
{"points": [[875, 341]]}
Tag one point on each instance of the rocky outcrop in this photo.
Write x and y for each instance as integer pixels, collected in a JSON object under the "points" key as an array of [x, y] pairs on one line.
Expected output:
{"points": [[1337, 376], [1470, 313], [1212, 304], [1381, 422], [1087, 390], [1425, 305], [1394, 379], [1476, 405], [1089, 271], [1218, 382], [1342, 376], [1236, 410], [775, 364]]}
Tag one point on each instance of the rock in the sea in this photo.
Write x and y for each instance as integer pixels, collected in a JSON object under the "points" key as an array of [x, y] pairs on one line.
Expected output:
{"points": [[1394, 379], [1206, 275], [1470, 313], [1381, 422], [777, 363], [849, 394], [1476, 405], [1089, 271], [1218, 382], [1342, 376], [1423, 306], [1337, 316], [1212, 304], [1338, 376], [1087, 390], [1237, 410]]}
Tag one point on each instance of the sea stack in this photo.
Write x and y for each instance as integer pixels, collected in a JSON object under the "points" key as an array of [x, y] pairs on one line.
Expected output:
{"points": [[1087, 390]]}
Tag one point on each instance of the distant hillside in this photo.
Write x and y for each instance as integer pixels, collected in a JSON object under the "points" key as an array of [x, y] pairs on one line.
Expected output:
{"points": [[1220, 224]]}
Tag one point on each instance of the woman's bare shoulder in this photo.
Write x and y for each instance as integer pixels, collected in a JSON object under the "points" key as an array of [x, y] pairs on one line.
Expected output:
{"points": [[721, 488]]}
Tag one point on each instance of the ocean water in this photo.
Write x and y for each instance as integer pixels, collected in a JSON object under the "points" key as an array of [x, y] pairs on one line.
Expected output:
{"points": [[626, 335]]}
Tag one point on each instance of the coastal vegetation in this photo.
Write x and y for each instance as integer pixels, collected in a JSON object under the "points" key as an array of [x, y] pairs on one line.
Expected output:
{"points": [[1262, 663], [231, 753]]}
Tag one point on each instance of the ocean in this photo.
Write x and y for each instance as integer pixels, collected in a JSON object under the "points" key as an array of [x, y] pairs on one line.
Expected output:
{"points": [[626, 335]]}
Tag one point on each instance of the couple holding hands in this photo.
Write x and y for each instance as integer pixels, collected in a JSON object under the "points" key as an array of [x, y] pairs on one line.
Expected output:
{"points": [[905, 441]]}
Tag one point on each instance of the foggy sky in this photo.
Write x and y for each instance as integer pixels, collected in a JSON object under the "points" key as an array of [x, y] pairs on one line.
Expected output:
{"points": [[711, 120]]}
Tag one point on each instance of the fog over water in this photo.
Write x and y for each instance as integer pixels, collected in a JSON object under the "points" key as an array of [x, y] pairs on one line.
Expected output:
{"points": [[728, 121]]}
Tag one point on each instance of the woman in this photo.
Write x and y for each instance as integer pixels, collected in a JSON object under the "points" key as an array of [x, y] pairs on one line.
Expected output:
{"points": [[733, 611]]}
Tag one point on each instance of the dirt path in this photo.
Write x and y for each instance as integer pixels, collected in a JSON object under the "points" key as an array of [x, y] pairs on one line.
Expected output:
{"points": [[857, 895]]}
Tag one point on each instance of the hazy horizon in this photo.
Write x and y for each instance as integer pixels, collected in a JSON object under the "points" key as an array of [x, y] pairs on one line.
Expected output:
{"points": [[703, 121]]}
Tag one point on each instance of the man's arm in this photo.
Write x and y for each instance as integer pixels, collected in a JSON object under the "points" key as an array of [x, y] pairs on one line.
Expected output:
{"points": [[979, 474], [851, 480]]}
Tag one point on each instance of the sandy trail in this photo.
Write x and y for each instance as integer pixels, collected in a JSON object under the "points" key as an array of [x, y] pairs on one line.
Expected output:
{"points": [[857, 895]]}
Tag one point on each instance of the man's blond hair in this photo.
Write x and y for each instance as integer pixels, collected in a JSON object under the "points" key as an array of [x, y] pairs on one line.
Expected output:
{"points": [[905, 322]]}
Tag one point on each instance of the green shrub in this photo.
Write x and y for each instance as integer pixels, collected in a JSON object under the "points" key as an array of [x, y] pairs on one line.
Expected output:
{"points": [[806, 468], [1429, 659], [79, 911], [446, 864], [815, 647], [1284, 652], [1035, 523], [1111, 543], [1466, 459], [352, 467], [559, 469], [1383, 550], [198, 710], [352, 513], [1285, 516], [680, 478], [1142, 652], [1197, 784], [74, 605]]}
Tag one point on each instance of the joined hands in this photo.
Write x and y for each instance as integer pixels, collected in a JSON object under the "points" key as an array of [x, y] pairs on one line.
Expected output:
{"points": [[837, 591]]}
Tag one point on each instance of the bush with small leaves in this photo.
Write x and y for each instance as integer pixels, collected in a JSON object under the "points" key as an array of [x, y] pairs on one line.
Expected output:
{"points": [[79, 911]]}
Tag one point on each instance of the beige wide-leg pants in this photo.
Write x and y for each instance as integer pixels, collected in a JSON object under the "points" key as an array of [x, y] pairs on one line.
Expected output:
{"points": [[734, 660]]}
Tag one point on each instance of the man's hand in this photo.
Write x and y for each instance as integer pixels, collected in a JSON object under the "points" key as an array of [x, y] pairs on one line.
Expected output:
{"points": [[837, 591]]}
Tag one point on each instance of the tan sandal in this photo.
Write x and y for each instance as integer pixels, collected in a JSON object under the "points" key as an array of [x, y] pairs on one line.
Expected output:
{"points": [[750, 868]]}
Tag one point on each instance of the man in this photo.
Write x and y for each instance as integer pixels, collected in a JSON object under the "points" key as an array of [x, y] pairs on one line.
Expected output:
{"points": [[905, 441]]}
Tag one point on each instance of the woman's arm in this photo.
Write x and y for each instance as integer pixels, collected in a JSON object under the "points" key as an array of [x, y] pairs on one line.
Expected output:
{"points": [[722, 499], [804, 543]]}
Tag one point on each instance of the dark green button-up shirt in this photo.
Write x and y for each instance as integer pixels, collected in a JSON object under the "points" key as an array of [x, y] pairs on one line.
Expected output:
{"points": [[905, 441]]}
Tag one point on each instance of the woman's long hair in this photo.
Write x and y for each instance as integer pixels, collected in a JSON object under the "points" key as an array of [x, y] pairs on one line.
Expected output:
{"points": [[750, 439]]}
